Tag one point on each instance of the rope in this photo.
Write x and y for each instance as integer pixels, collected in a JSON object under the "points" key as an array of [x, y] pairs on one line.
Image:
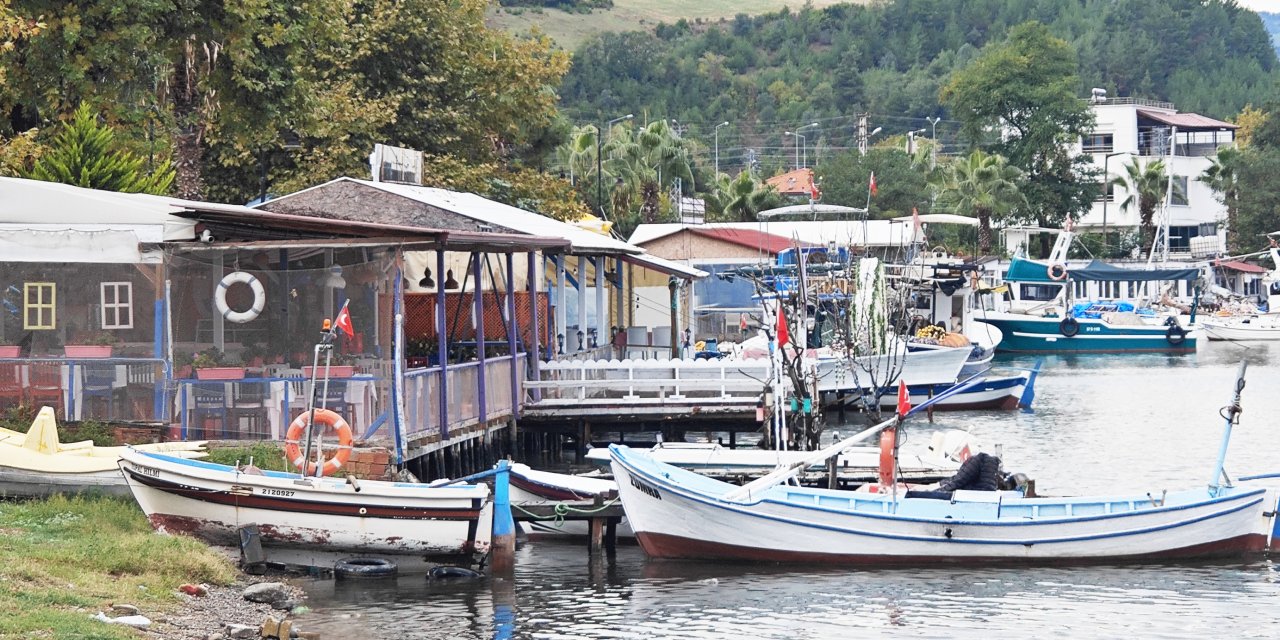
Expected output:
{"points": [[562, 510]]}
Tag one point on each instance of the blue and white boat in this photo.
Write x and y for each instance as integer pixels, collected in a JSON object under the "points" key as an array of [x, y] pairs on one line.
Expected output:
{"points": [[679, 514]]}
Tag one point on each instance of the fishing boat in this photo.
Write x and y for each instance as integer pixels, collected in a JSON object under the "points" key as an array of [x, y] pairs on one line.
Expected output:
{"points": [[36, 464], [308, 513], [679, 514], [1043, 316], [1252, 326], [854, 465], [990, 392]]}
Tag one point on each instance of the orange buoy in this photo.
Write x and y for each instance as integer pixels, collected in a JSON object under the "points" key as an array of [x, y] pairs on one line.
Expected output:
{"points": [[330, 419], [888, 442]]}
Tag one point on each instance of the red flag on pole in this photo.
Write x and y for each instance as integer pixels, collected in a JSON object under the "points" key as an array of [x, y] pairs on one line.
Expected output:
{"points": [[904, 399], [783, 334], [814, 193], [915, 221], [343, 321], [872, 184]]}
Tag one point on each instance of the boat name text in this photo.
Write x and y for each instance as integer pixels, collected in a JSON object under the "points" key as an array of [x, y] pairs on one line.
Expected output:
{"points": [[645, 489]]}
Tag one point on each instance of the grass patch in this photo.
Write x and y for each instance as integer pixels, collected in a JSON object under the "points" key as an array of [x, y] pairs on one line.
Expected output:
{"points": [[66, 558], [265, 455], [571, 29]]}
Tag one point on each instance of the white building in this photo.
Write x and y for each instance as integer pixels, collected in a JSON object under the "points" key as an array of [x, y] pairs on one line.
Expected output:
{"points": [[1187, 142]]}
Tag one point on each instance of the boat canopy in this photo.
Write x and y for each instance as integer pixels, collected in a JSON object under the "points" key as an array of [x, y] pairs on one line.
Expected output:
{"points": [[1027, 271], [1099, 271]]}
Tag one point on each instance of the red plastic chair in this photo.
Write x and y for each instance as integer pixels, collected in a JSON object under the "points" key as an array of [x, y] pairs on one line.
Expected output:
{"points": [[46, 386], [11, 383]]}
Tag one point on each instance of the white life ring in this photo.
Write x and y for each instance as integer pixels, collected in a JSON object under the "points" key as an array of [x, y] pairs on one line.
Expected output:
{"points": [[259, 297]]}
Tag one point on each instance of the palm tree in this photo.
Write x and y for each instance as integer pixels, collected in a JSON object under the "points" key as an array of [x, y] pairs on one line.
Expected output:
{"points": [[741, 198], [1223, 177], [576, 158], [649, 160], [983, 184], [1146, 185]]}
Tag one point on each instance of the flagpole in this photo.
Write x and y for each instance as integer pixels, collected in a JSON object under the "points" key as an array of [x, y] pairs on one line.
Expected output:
{"points": [[871, 187]]}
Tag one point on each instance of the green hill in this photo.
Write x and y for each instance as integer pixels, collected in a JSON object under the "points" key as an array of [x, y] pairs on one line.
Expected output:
{"points": [[771, 73], [571, 29]]}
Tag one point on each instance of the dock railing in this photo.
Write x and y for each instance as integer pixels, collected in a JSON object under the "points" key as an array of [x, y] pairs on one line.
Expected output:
{"points": [[639, 382]]}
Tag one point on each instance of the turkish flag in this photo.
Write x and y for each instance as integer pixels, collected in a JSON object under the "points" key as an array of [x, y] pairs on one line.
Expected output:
{"points": [[904, 399], [783, 334], [872, 184], [343, 321], [814, 193]]}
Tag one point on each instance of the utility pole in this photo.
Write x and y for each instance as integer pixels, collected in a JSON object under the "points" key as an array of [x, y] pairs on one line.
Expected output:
{"points": [[862, 134], [722, 124]]}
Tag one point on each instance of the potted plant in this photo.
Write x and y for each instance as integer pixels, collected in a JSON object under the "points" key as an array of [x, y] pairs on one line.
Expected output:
{"points": [[182, 364], [210, 365], [94, 345], [253, 354], [340, 367]]}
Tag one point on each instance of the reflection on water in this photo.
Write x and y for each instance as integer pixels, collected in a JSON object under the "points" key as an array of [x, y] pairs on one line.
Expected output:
{"points": [[1102, 423]]}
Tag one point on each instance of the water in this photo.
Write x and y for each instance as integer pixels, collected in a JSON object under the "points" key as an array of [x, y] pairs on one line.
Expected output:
{"points": [[1101, 424]]}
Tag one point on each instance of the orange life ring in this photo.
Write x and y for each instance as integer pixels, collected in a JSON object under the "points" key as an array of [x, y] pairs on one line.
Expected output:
{"points": [[330, 419], [888, 442], [1057, 271]]}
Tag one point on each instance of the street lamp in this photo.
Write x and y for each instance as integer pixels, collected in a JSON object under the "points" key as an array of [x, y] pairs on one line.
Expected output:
{"points": [[911, 140], [1106, 185], [805, 145], [933, 138], [722, 124], [798, 138], [599, 164]]}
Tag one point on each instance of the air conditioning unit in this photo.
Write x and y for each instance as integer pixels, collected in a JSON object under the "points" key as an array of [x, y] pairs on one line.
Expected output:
{"points": [[396, 164]]}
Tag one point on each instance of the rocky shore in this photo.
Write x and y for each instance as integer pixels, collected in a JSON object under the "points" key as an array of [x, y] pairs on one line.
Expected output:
{"points": [[224, 612]]}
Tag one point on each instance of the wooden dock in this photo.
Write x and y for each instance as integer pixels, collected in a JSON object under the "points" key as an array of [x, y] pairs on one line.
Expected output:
{"points": [[602, 517]]}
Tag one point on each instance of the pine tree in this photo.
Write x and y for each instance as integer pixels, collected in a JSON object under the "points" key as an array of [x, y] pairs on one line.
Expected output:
{"points": [[85, 154]]}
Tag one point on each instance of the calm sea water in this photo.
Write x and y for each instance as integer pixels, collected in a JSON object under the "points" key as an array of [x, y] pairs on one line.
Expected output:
{"points": [[1101, 423]]}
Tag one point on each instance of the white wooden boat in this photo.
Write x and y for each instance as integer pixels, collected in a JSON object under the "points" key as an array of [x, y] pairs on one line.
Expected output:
{"points": [[857, 463], [938, 365], [679, 514], [1248, 328], [990, 392], [532, 486], [324, 515], [36, 464]]}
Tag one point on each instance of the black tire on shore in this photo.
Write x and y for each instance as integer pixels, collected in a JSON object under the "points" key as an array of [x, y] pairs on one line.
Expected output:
{"points": [[445, 572], [364, 568]]}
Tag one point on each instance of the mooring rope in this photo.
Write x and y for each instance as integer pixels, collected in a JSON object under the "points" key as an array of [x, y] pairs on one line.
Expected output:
{"points": [[562, 509]]}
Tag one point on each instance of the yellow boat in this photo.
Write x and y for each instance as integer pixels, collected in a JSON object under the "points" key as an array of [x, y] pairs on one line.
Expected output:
{"points": [[36, 464]]}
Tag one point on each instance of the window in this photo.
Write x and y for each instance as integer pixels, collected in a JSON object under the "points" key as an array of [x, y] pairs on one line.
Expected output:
{"points": [[1179, 191], [1106, 192], [38, 300], [1041, 292], [1098, 143], [117, 305]]}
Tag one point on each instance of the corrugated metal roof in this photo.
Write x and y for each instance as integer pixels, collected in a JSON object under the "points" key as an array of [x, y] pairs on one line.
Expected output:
{"points": [[878, 233], [1243, 267], [496, 213], [1186, 120], [662, 265], [750, 238]]}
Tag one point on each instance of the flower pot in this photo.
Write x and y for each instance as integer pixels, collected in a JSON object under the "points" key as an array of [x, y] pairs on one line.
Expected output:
{"points": [[335, 371], [220, 373], [10, 351], [87, 350]]}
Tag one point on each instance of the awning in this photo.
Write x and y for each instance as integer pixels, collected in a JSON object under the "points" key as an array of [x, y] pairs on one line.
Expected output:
{"points": [[1186, 120], [1243, 267], [942, 218], [662, 265], [1099, 271]]}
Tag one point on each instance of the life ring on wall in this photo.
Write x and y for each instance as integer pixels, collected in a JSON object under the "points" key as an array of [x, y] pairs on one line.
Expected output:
{"points": [[1069, 327], [888, 442], [1058, 271], [330, 419], [1175, 334], [259, 297]]}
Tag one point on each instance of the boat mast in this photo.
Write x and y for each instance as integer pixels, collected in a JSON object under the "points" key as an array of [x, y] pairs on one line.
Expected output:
{"points": [[1231, 413]]}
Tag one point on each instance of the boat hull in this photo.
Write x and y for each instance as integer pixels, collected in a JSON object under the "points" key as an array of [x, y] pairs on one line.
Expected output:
{"points": [[23, 483], [1001, 393], [1031, 334], [1239, 331], [678, 516], [925, 366], [213, 502]]}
